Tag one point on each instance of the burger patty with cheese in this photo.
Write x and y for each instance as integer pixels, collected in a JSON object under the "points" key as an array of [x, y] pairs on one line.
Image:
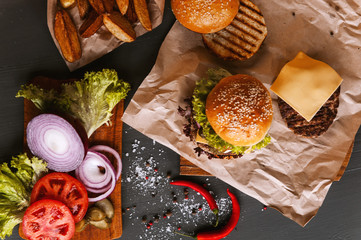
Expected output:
{"points": [[228, 115]]}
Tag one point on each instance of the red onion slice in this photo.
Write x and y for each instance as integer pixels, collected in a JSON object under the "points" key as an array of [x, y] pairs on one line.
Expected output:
{"points": [[55, 140], [107, 193], [93, 172], [97, 174], [104, 148]]}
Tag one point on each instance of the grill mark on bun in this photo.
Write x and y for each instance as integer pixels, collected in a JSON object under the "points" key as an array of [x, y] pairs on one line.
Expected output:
{"points": [[248, 26], [240, 33], [242, 38], [226, 44], [232, 37], [253, 12]]}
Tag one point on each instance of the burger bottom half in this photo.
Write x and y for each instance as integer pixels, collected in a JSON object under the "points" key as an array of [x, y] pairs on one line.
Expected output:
{"points": [[228, 115]]}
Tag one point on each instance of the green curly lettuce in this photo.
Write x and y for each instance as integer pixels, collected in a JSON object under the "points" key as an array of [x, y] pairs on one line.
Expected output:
{"points": [[90, 100], [15, 189], [201, 91]]}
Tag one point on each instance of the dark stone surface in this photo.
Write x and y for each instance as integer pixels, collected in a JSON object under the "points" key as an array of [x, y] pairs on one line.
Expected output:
{"points": [[27, 50]]}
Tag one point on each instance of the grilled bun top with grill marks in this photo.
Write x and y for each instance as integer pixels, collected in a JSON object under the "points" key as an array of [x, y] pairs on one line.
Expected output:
{"points": [[205, 16], [239, 109]]}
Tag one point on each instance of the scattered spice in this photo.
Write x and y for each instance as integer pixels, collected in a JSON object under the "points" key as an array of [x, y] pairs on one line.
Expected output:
{"points": [[128, 208], [150, 223], [144, 219], [186, 197], [200, 208], [155, 169], [147, 164], [194, 211], [174, 200], [179, 228], [148, 226], [146, 177], [209, 198], [185, 190], [135, 181], [264, 208], [169, 213], [227, 229]]}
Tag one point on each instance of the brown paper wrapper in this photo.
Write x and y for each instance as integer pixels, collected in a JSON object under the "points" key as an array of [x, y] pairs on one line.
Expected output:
{"points": [[292, 174], [102, 41]]}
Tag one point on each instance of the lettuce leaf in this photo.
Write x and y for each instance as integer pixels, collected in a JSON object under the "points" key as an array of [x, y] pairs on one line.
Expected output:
{"points": [[15, 189], [43, 99], [201, 91], [90, 100]]}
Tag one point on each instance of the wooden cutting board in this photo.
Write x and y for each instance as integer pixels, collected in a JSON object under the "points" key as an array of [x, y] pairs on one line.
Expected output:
{"points": [[105, 135], [188, 168]]}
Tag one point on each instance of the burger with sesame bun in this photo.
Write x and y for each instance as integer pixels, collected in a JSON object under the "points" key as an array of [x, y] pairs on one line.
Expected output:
{"points": [[205, 16], [228, 115]]}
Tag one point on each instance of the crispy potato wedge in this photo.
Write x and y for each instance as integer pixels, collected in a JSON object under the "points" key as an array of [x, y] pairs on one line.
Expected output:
{"points": [[67, 3], [119, 26], [98, 6], [91, 24], [108, 5], [131, 15], [123, 6], [83, 7], [67, 36], [141, 9]]}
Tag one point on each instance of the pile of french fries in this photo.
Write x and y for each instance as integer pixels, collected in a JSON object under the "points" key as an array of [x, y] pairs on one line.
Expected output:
{"points": [[116, 15]]}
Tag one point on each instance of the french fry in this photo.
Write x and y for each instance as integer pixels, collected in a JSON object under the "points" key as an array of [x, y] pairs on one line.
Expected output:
{"points": [[119, 26], [98, 6], [83, 7], [141, 9], [131, 15], [123, 6], [93, 22], [67, 3], [67, 36]]}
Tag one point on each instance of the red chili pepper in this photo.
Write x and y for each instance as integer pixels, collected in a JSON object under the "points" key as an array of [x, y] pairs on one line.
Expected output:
{"points": [[226, 230], [232, 223], [209, 198]]}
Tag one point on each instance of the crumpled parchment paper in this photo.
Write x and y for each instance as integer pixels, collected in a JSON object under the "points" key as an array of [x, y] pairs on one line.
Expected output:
{"points": [[102, 41], [293, 174]]}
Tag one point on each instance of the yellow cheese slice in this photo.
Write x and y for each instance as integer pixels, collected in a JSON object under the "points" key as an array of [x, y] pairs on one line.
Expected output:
{"points": [[200, 139], [305, 84]]}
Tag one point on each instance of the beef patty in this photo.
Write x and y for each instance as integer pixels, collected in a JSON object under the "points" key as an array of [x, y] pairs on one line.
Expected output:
{"points": [[319, 123]]}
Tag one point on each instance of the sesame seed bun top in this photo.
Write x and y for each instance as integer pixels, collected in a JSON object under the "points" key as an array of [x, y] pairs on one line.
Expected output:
{"points": [[205, 16], [239, 109]]}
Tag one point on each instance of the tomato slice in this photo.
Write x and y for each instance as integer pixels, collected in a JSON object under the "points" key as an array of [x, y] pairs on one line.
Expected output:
{"points": [[64, 188], [48, 219]]}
